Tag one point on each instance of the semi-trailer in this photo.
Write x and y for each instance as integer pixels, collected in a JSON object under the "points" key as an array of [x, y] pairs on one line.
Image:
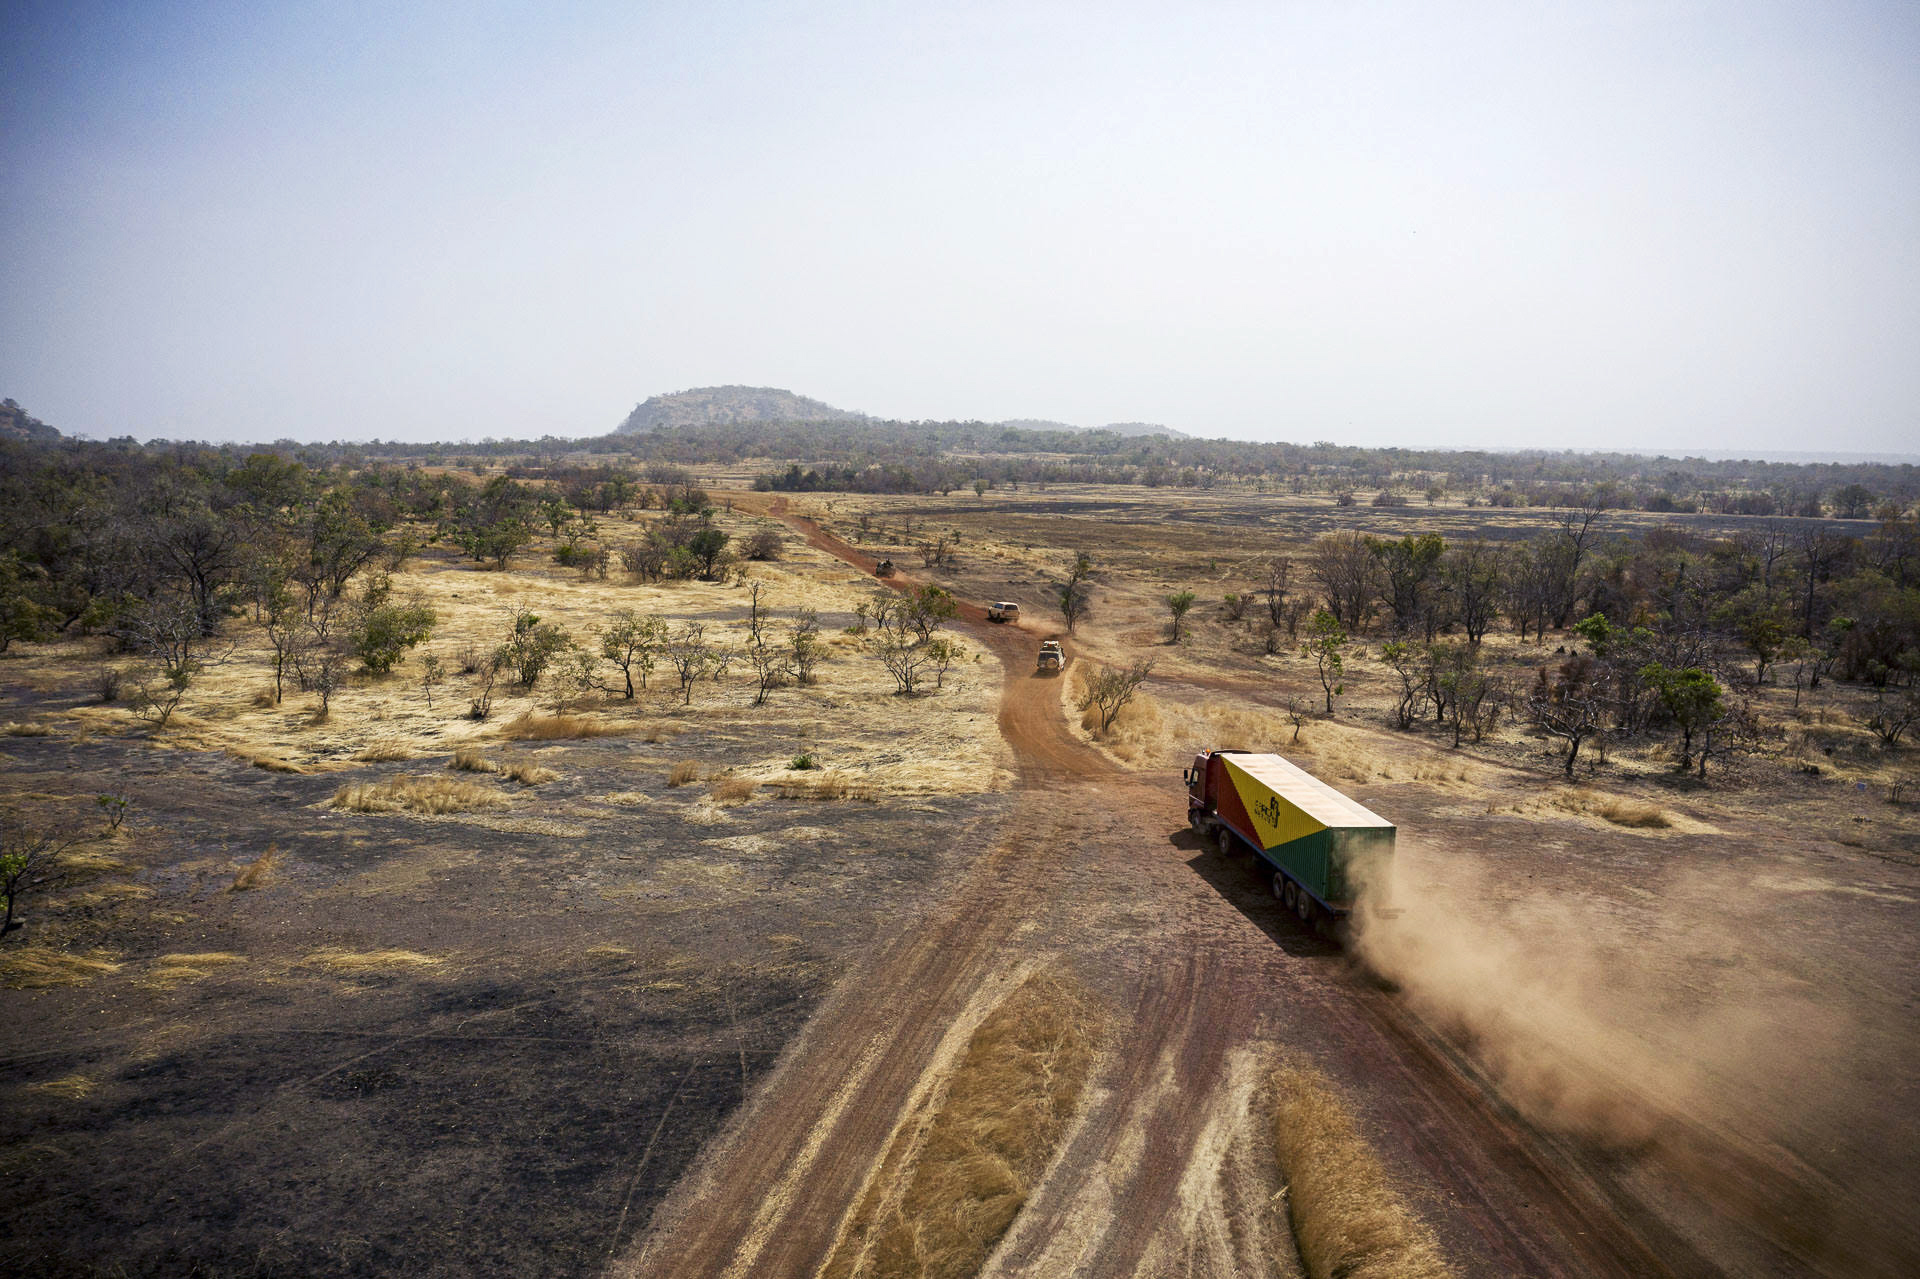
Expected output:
{"points": [[1320, 849]]}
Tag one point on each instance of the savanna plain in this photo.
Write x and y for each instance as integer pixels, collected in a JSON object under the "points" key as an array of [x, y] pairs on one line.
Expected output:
{"points": [[754, 913]]}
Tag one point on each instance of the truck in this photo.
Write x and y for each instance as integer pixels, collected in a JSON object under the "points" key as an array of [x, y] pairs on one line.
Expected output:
{"points": [[1051, 659], [1318, 848]]}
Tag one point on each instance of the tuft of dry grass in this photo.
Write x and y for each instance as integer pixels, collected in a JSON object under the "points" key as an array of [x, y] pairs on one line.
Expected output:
{"points": [[829, 783], [1347, 1219], [1007, 1105], [257, 873], [732, 790], [264, 699], [431, 795], [470, 759], [262, 759], [355, 963], [28, 728], [37, 967], [1579, 801], [384, 752], [683, 773], [192, 967], [70, 1087], [534, 727]]}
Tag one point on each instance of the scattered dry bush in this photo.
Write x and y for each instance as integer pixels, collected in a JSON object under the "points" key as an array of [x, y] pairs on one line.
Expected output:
{"points": [[431, 795], [732, 790], [684, 773], [1007, 1105], [37, 967], [257, 873], [534, 727], [1347, 1218], [354, 963], [384, 752]]}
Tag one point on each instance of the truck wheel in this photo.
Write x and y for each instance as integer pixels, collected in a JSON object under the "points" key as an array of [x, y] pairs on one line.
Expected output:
{"points": [[1291, 897], [1303, 906], [1280, 886], [1226, 842]]}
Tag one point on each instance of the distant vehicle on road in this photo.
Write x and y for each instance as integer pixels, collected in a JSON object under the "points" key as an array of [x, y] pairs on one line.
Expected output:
{"points": [[1004, 611], [1051, 658]]}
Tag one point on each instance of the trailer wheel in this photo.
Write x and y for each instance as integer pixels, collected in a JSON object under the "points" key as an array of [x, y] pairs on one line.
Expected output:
{"points": [[1280, 886], [1226, 842], [1291, 897], [1303, 906]]}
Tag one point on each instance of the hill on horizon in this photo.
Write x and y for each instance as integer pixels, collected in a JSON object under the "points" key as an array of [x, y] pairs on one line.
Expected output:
{"points": [[729, 405], [705, 405]]}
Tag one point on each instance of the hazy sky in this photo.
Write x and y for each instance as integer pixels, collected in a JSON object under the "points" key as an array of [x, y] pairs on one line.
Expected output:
{"points": [[1660, 225]]}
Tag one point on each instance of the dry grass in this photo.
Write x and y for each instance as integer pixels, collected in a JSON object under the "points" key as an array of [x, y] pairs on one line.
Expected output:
{"points": [[263, 759], [1347, 1218], [1007, 1105], [431, 795], [470, 759], [384, 752], [732, 790], [257, 873], [29, 728], [37, 967], [70, 1087], [534, 727], [355, 963], [829, 783], [1578, 801], [192, 967], [683, 773]]}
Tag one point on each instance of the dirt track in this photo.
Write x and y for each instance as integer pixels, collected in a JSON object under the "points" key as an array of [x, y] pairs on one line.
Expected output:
{"points": [[1206, 982]]}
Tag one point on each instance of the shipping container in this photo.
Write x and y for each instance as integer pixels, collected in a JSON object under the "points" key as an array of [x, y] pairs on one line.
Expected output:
{"points": [[1319, 847]]}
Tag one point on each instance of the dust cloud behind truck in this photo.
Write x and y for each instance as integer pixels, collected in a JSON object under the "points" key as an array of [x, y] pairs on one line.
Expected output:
{"points": [[1318, 847]]}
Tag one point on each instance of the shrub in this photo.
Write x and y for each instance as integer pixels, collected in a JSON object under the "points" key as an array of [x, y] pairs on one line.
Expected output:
{"points": [[385, 633], [683, 772], [531, 647], [802, 762]]}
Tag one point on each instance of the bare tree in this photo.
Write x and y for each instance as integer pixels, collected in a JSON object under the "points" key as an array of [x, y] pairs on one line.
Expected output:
{"points": [[1111, 688], [1279, 582], [29, 858], [1349, 577], [772, 668], [1571, 704]]}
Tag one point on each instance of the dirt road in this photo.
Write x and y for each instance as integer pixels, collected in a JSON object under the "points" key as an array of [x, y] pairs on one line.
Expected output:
{"points": [[1208, 983]]}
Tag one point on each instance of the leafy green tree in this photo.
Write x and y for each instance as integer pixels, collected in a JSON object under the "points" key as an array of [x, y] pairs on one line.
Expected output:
{"points": [[1178, 605], [22, 614], [1409, 565], [1326, 644], [632, 641], [383, 634], [1692, 698], [531, 647]]}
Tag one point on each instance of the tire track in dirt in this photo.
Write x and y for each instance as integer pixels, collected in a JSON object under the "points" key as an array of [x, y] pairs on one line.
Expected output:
{"points": [[770, 1195]]}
